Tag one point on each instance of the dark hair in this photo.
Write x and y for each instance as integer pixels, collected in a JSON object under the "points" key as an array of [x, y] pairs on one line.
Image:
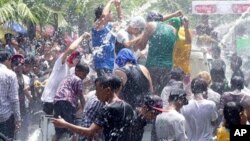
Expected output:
{"points": [[217, 75], [177, 74], [30, 59], [82, 67], [178, 94], [8, 37], [198, 85], [231, 113], [4, 55], [154, 16], [237, 61], [112, 81], [237, 82], [98, 12]]}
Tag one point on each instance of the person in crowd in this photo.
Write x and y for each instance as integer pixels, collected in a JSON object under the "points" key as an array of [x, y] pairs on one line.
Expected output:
{"points": [[103, 40], [217, 62], [136, 79], [170, 123], [176, 81], [135, 27], [151, 107], [234, 115], [211, 95], [90, 112], [114, 119], [200, 114], [236, 63], [17, 63], [68, 93], [61, 69], [11, 43], [219, 82], [237, 84], [161, 38], [10, 118]]}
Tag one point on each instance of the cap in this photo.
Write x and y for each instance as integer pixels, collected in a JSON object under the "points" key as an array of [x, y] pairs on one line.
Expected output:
{"points": [[154, 102], [72, 56], [17, 60], [137, 22]]}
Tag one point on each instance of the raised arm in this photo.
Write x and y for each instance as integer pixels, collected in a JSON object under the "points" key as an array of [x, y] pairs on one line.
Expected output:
{"points": [[74, 45], [188, 38], [118, 9], [104, 19], [175, 14]]}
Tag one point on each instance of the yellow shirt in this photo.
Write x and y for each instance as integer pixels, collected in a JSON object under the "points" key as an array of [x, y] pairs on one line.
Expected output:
{"points": [[182, 51], [223, 134]]}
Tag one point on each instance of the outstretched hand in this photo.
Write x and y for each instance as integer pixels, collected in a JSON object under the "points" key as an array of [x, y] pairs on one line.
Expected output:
{"points": [[86, 35], [178, 13], [59, 122]]}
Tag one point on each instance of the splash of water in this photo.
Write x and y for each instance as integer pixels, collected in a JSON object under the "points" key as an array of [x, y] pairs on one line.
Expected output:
{"points": [[231, 29], [35, 135]]}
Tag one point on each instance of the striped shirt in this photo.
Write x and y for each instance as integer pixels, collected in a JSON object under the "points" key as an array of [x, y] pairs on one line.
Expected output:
{"points": [[69, 90], [9, 101]]}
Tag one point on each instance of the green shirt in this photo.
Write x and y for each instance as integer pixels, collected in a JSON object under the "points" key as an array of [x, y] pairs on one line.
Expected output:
{"points": [[161, 45]]}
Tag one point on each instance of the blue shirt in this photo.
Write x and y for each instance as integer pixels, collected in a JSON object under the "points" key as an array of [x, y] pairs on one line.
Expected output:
{"points": [[103, 42]]}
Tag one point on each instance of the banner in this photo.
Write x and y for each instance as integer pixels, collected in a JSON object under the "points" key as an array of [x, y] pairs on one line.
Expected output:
{"points": [[220, 7]]}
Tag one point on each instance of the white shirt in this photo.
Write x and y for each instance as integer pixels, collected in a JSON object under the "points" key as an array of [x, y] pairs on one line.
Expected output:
{"points": [[170, 126], [199, 115], [9, 101], [59, 72]]}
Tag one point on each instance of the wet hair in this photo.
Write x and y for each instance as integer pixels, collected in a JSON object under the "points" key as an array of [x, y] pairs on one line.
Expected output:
{"points": [[231, 113], [217, 75], [237, 82], [237, 61], [178, 95], [8, 37], [112, 81], [198, 86], [177, 74], [83, 67], [154, 16], [4, 55], [98, 12]]}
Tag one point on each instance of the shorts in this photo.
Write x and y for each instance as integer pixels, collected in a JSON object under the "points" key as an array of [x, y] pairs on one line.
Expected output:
{"points": [[67, 112]]}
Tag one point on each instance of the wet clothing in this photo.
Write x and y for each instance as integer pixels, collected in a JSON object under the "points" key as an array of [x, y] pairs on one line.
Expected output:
{"points": [[69, 90], [115, 119], [172, 84], [198, 116], [161, 45], [67, 112], [241, 98], [182, 52], [103, 42], [170, 126], [238, 73], [136, 87], [137, 128], [223, 134], [7, 128]]}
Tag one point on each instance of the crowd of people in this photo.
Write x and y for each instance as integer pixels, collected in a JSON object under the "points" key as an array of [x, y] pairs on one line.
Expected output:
{"points": [[126, 79]]}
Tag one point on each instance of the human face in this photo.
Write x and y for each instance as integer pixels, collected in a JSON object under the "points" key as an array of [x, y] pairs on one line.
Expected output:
{"points": [[82, 75], [101, 93]]}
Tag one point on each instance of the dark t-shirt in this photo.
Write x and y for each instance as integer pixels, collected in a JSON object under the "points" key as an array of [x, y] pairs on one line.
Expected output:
{"points": [[242, 98], [115, 119]]}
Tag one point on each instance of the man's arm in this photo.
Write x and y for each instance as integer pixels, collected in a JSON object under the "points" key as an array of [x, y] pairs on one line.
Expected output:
{"points": [[118, 9], [147, 75], [74, 45], [122, 76], [175, 14], [188, 38], [88, 132], [103, 20], [141, 41]]}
